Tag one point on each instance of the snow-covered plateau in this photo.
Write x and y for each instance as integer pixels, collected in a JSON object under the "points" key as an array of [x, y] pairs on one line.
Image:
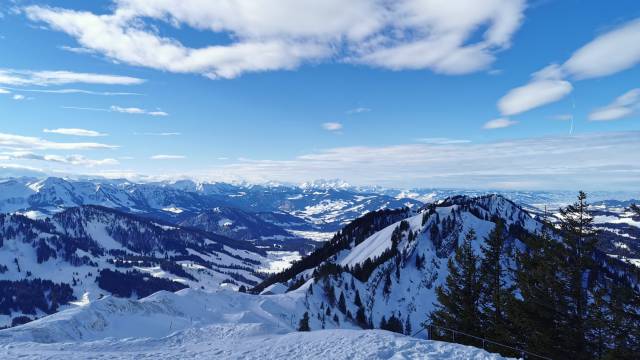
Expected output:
{"points": [[194, 324]]}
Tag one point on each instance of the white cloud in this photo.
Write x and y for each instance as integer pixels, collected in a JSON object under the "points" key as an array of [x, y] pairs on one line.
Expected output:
{"points": [[121, 109], [615, 51], [77, 160], [332, 126], [358, 110], [442, 141], [593, 161], [607, 54], [74, 91], [168, 157], [283, 34], [545, 87], [74, 132], [625, 105], [499, 123], [4, 91], [18, 97], [18, 142], [135, 110], [44, 78]]}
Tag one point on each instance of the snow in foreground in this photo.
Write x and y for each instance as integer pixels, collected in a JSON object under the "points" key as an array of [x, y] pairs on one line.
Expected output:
{"points": [[218, 325]]}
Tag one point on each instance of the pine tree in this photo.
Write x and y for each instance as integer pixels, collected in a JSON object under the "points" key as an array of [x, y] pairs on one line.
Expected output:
{"points": [[635, 208], [494, 294], [540, 314], [304, 322], [579, 240], [598, 319], [457, 306], [357, 301], [386, 290], [624, 326], [342, 304], [383, 323], [361, 318], [407, 325], [393, 324]]}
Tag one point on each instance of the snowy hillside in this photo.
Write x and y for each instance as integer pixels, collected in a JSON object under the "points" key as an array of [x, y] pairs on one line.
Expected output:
{"points": [[314, 211], [395, 270], [83, 253], [197, 324]]}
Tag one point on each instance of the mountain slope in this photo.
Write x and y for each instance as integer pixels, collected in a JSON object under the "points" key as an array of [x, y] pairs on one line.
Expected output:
{"points": [[196, 324], [86, 252], [394, 270]]}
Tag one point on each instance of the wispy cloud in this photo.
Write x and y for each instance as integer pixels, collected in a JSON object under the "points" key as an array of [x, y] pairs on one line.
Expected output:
{"points": [[593, 161], [159, 134], [74, 91], [444, 38], [442, 141], [74, 132], [547, 86], [18, 142], [332, 126], [607, 54], [44, 78], [77, 160], [624, 106], [358, 110], [168, 157], [18, 97], [561, 117], [120, 109], [499, 123], [135, 110]]}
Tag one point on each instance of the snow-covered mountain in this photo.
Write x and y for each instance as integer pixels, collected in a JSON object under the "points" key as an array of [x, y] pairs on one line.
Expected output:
{"points": [[321, 209], [209, 325], [83, 253], [390, 263]]}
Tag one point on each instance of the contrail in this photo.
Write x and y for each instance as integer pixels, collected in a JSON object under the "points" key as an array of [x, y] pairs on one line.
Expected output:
{"points": [[573, 111]]}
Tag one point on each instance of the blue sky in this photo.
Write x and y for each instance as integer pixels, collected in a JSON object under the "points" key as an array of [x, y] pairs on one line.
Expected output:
{"points": [[412, 93]]}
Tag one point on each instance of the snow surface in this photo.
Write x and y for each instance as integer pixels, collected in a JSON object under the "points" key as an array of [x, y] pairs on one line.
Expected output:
{"points": [[193, 324]]}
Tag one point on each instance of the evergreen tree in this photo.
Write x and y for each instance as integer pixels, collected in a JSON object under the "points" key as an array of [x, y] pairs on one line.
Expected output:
{"points": [[635, 208], [494, 294], [579, 240], [342, 304], [457, 306], [386, 290], [357, 301], [304, 322], [407, 326], [540, 314], [624, 324], [361, 318], [393, 324], [598, 320]]}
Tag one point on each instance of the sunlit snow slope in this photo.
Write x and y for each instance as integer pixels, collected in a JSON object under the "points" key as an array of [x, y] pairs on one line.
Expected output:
{"points": [[209, 325]]}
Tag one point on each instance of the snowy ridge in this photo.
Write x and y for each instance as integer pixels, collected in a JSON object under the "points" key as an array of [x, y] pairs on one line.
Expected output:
{"points": [[395, 271], [87, 253], [197, 324]]}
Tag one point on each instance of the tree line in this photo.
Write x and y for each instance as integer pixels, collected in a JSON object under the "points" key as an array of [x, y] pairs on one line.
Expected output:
{"points": [[552, 297]]}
